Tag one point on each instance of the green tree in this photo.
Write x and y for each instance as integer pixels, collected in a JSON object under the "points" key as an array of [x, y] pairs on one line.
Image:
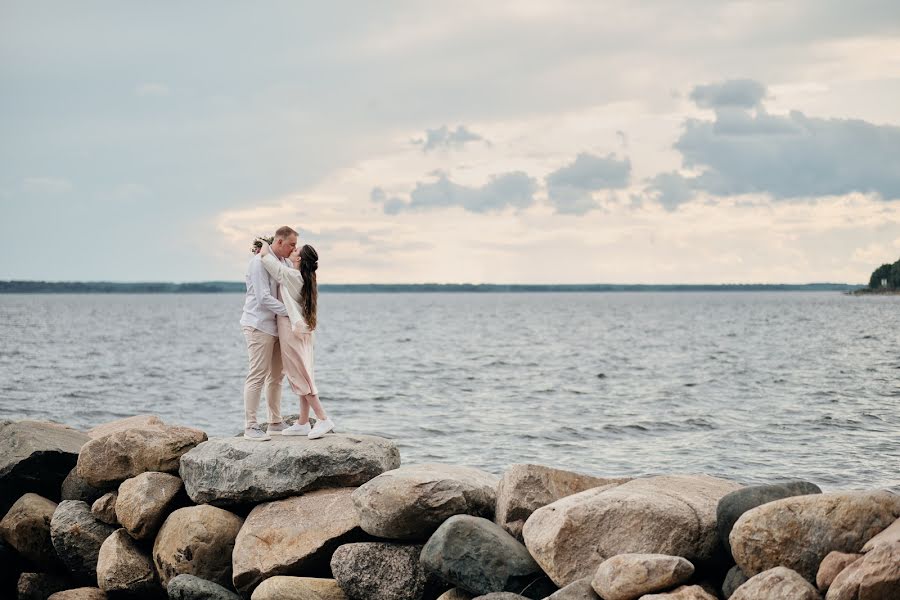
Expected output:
{"points": [[882, 272], [894, 278]]}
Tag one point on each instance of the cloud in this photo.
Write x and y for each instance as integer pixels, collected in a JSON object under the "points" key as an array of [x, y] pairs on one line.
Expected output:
{"points": [[741, 93], [570, 188], [515, 189], [671, 189], [445, 138], [745, 150]]}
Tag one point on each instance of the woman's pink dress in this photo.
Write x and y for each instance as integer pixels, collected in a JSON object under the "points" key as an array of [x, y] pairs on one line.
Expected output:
{"points": [[297, 358]]}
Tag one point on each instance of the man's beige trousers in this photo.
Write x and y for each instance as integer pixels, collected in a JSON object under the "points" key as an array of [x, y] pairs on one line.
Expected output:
{"points": [[264, 353]]}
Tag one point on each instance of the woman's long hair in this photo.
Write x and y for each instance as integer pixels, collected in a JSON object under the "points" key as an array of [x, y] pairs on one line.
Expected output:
{"points": [[309, 293]]}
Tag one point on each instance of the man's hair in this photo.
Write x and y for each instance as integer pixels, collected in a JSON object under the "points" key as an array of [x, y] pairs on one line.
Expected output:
{"points": [[284, 232]]}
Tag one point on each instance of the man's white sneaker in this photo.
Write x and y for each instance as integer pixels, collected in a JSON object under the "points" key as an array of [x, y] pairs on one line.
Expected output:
{"points": [[321, 428], [255, 433], [297, 429]]}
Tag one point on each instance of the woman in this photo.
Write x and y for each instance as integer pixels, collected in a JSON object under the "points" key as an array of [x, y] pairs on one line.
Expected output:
{"points": [[299, 292]]}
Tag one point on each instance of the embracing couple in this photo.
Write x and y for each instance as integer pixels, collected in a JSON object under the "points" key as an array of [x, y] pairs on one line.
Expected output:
{"points": [[278, 324]]}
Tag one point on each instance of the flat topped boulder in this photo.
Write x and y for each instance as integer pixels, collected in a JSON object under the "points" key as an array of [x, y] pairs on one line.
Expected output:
{"points": [[35, 456], [236, 471]]}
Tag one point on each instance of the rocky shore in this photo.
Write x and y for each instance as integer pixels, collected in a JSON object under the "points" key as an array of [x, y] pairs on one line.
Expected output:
{"points": [[139, 508]]}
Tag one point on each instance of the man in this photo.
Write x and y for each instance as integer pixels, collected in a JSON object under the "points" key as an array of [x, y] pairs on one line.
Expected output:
{"points": [[261, 334]]}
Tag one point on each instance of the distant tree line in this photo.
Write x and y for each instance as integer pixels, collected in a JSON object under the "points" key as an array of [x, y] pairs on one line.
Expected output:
{"points": [[886, 272]]}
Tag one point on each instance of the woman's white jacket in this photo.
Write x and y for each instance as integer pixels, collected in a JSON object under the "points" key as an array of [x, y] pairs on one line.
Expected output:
{"points": [[291, 284]]}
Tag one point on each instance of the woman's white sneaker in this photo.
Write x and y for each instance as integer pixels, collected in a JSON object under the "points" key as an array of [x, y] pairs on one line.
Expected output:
{"points": [[321, 428], [297, 429]]}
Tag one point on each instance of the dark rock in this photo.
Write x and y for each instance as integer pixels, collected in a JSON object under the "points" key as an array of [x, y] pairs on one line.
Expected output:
{"points": [[40, 586], [234, 471], [191, 587], [35, 457], [733, 580], [481, 557], [26, 528], [77, 536], [733, 505], [11, 567], [75, 488], [382, 571]]}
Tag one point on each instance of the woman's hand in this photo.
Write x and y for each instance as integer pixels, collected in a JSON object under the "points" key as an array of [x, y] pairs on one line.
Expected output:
{"points": [[264, 249]]}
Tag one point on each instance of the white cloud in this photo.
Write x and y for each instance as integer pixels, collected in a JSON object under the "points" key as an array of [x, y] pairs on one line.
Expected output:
{"points": [[46, 185]]}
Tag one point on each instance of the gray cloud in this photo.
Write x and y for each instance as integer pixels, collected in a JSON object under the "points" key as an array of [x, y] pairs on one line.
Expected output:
{"points": [[671, 189], [515, 189], [570, 188], [744, 151], [446, 138], [743, 93]]}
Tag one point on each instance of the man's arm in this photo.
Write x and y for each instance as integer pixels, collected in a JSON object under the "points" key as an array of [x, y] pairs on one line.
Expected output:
{"points": [[260, 282]]}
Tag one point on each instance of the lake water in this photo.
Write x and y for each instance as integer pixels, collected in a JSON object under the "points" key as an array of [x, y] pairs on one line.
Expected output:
{"points": [[756, 387]]}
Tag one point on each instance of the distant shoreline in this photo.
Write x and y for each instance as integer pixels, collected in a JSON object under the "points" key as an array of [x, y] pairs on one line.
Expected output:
{"points": [[234, 287]]}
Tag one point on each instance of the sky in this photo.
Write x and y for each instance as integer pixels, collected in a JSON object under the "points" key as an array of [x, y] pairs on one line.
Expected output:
{"points": [[483, 142]]}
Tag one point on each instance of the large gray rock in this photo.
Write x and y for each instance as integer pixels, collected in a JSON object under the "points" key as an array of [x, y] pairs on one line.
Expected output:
{"points": [[144, 501], [577, 590], [381, 571], [481, 557], [629, 576], [673, 515], [294, 536], [191, 587], [197, 540], [104, 508], [123, 568], [235, 471], [777, 584], [733, 505], [409, 503], [26, 527], [135, 422], [77, 536], [799, 532], [875, 576], [525, 488], [284, 587], [500, 596], [75, 488], [113, 458], [39, 586], [35, 457]]}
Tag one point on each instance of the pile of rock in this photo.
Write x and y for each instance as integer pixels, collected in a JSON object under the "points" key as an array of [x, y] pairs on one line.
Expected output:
{"points": [[140, 508]]}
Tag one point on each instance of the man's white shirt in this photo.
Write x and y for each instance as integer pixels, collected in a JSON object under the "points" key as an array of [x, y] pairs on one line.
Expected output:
{"points": [[262, 303]]}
